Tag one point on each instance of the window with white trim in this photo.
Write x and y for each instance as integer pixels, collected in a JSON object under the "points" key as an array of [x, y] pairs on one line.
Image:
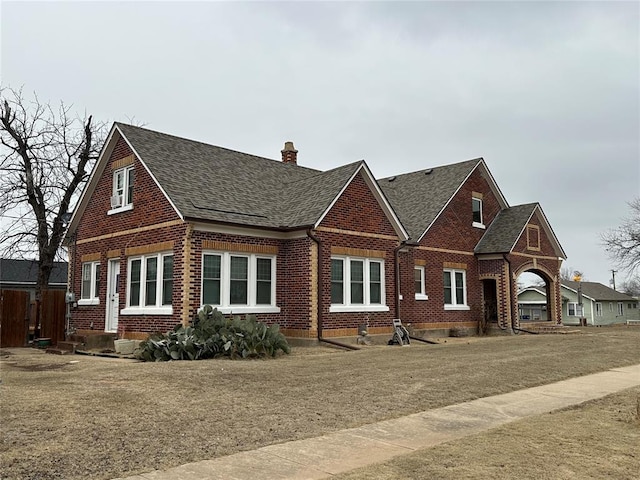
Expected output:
{"points": [[122, 191], [420, 283], [357, 285], [620, 309], [455, 289], [476, 209], [90, 287], [598, 309], [575, 309], [239, 283], [150, 285]]}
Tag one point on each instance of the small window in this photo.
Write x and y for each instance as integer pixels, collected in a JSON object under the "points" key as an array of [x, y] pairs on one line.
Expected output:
{"points": [[122, 192], [337, 281], [533, 237], [598, 309], [476, 208], [455, 290], [90, 287], [420, 284], [620, 309], [574, 309]]}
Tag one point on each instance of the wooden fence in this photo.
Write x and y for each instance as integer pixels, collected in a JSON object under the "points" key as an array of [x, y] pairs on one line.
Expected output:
{"points": [[18, 317]]}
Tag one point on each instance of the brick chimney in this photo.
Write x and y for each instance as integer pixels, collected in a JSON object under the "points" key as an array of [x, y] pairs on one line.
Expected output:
{"points": [[289, 153]]}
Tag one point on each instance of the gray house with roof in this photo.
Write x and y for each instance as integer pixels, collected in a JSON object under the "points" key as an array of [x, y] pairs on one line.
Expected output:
{"points": [[166, 225], [18, 274], [601, 305]]}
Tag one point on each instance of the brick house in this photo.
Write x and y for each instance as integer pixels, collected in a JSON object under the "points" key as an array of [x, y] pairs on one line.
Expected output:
{"points": [[167, 224]]}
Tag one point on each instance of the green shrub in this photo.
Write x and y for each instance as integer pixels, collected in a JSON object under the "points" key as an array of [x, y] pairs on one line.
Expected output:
{"points": [[213, 335]]}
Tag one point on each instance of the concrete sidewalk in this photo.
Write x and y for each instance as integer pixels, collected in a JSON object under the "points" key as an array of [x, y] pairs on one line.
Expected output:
{"points": [[339, 452]]}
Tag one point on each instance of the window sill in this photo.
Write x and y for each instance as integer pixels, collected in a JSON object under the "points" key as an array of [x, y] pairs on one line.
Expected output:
{"points": [[88, 301], [357, 308], [147, 311], [244, 309], [126, 208], [419, 296], [457, 307], [479, 225]]}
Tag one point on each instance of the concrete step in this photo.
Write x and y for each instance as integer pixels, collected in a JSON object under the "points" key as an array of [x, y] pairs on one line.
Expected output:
{"points": [[93, 341], [68, 345]]}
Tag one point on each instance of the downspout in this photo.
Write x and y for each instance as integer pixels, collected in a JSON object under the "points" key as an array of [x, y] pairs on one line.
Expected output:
{"points": [[510, 305], [320, 285], [396, 259]]}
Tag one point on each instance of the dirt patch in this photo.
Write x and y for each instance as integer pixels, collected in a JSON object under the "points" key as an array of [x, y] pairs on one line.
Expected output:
{"points": [[105, 417]]}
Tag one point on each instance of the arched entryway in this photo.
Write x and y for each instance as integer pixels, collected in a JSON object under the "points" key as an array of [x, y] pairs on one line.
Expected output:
{"points": [[540, 302]]}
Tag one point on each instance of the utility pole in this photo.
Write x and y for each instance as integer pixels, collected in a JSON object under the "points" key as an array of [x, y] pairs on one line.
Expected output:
{"points": [[613, 279]]}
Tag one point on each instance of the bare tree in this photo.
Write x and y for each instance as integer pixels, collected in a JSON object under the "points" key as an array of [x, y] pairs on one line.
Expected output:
{"points": [[568, 273], [45, 159], [631, 286], [623, 243]]}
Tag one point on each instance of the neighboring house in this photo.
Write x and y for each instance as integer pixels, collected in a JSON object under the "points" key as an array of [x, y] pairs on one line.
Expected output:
{"points": [[167, 224], [532, 305], [23, 275], [601, 305]]}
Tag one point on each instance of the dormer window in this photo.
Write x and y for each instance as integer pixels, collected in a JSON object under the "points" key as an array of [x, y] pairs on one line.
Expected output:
{"points": [[122, 192], [476, 209]]}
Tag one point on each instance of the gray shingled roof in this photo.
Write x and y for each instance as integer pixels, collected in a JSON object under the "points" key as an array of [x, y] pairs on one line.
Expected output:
{"points": [[598, 291], [418, 197], [212, 183], [505, 229], [26, 272]]}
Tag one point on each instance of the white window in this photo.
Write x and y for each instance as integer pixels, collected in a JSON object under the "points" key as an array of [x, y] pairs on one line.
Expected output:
{"points": [[610, 306], [90, 287], [239, 283], [122, 192], [455, 289], [476, 208], [357, 285], [598, 309], [150, 285], [620, 309], [420, 284], [575, 310]]}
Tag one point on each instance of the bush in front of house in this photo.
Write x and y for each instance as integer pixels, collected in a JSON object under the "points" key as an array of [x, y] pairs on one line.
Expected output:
{"points": [[213, 335]]}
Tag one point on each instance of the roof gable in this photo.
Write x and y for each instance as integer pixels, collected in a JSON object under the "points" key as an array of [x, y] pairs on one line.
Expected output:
{"points": [[509, 225], [374, 189], [420, 197]]}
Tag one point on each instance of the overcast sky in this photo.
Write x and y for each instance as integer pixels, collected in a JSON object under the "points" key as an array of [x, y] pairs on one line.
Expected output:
{"points": [[547, 93]]}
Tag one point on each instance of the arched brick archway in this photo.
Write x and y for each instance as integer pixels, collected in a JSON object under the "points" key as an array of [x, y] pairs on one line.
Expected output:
{"points": [[551, 278]]}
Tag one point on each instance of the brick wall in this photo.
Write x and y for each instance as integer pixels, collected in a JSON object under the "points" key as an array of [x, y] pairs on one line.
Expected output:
{"points": [[358, 210], [449, 242], [357, 222], [544, 262], [151, 221]]}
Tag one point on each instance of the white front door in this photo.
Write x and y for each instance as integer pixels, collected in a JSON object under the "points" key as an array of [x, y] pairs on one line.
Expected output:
{"points": [[113, 296]]}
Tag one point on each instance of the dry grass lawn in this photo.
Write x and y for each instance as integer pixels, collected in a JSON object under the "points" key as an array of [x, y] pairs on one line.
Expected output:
{"points": [[86, 417], [599, 439]]}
